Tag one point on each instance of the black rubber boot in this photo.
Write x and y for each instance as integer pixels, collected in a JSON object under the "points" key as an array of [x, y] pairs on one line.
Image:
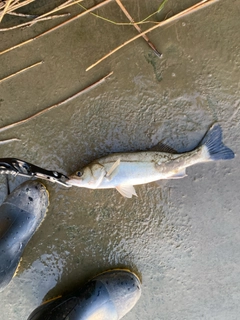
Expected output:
{"points": [[108, 296], [20, 215]]}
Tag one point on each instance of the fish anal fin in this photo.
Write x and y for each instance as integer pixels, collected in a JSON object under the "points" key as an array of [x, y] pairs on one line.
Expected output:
{"points": [[112, 169], [180, 174], [162, 147], [126, 191]]}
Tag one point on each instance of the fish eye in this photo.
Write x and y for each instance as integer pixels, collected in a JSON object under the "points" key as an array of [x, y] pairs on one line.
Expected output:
{"points": [[79, 173]]}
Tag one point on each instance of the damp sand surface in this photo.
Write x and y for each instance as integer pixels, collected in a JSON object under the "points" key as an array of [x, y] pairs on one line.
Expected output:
{"points": [[182, 237]]}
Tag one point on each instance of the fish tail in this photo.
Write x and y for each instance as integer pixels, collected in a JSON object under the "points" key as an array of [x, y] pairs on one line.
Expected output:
{"points": [[214, 148]]}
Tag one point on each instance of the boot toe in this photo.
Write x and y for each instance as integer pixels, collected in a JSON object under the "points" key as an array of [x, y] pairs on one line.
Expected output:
{"points": [[108, 296], [20, 215], [124, 289]]}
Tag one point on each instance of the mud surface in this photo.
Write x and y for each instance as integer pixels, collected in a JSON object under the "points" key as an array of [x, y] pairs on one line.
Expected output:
{"points": [[181, 238]]}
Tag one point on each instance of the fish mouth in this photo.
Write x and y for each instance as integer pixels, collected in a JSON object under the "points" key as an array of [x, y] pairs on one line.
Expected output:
{"points": [[74, 182]]}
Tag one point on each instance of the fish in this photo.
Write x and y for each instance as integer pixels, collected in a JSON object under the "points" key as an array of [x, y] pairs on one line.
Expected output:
{"points": [[123, 171]]}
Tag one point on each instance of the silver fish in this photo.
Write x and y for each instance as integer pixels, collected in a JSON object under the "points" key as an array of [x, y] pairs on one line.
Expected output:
{"points": [[124, 170]]}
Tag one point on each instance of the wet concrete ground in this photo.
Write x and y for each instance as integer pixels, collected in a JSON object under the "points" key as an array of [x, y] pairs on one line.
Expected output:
{"points": [[181, 238]]}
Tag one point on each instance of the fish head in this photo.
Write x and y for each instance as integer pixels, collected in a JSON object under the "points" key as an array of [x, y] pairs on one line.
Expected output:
{"points": [[80, 178], [89, 177]]}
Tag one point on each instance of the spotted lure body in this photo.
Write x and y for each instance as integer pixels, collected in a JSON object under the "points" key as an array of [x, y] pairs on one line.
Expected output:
{"points": [[125, 170]]}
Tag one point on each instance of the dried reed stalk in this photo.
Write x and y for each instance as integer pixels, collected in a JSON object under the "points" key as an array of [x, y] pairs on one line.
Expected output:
{"points": [[10, 6], [8, 140], [13, 125], [16, 5], [32, 22], [183, 13], [57, 27], [64, 5], [136, 26], [7, 5], [20, 71]]}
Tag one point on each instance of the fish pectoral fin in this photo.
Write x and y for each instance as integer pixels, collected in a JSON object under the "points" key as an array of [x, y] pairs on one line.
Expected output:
{"points": [[126, 191], [180, 174], [112, 169]]}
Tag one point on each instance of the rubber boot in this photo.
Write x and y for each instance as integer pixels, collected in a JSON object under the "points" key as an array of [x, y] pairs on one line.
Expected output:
{"points": [[108, 296], [20, 215]]}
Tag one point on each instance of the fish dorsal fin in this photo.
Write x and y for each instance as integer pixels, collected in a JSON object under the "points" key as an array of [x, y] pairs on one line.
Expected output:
{"points": [[113, 168], [126, 191], [162, 147]]}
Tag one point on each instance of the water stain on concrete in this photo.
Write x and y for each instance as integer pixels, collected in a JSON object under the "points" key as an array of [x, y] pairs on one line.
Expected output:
{"points": [[153, 60]]}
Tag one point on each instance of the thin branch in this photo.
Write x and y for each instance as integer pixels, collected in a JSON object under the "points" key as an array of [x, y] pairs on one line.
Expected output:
{"points": [[18, 14], [32, 22], [56, 27], [42, 17], [20, 71], [9, 140], [48, 18], [14, 6], [136, 26], [64, 5], [192, 9], [5, 9], [13, 125]]}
